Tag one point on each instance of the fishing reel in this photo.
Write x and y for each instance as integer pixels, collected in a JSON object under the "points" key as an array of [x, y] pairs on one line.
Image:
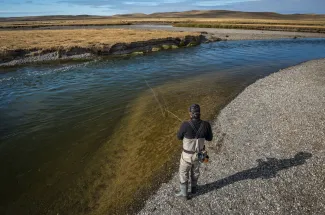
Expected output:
{"points": [[203, 157]]}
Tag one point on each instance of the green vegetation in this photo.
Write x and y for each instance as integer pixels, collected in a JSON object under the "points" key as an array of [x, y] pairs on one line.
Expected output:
{"points": [[166, 46], [192, 44], [137, 53], [155, 49]]}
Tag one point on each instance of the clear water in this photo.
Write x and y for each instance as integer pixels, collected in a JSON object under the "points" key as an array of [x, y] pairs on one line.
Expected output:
{"points": [[74, 136]]}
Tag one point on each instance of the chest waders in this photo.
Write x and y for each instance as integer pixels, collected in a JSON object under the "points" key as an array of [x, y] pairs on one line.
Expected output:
{"points": [[189, 162], [196, 146]]}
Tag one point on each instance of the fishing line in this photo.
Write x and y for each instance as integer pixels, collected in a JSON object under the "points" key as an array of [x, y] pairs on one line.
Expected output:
{"points": [[163, 109], [156, 98]]}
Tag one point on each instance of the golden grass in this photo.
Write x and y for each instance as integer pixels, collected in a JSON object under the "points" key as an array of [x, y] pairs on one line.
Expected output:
{"points": [[47, 23], [51, 39]]}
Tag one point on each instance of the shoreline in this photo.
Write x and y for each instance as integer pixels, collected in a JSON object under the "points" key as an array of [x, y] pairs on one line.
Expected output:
{"points": [[270, 121]]}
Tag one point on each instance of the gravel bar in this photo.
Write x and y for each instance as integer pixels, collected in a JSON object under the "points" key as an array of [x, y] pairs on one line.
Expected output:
{"points": [[268, 155], [233, 34], [246, 34]]}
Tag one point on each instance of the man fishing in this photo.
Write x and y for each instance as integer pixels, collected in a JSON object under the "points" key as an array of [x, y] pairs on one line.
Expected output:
{"points": [[193, 133]]}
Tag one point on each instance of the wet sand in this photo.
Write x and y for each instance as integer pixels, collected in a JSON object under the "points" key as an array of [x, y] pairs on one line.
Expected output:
{"points": [[268, 154]]}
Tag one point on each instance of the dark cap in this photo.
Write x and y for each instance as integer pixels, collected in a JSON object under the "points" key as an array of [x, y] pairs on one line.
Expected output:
{"points": [[195, 108]]}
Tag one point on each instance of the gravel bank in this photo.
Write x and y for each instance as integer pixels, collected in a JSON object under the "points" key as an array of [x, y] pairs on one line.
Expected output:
{"points": [[232, 34], [241, 34], [269, 154]]}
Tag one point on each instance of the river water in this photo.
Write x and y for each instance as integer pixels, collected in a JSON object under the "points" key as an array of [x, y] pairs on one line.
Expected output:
{"points": [[91, 137]]}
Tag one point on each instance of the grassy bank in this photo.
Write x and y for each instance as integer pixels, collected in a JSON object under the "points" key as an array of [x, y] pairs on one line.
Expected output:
{"points": [[51, 39], [21, 47]]}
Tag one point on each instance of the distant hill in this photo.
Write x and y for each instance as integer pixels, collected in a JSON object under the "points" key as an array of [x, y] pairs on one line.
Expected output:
{"points": [[186, 14], [223, 14]]}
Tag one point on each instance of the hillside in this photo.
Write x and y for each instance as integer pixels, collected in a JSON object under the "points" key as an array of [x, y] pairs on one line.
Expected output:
{"points": [[224, 14], [219, 14]]}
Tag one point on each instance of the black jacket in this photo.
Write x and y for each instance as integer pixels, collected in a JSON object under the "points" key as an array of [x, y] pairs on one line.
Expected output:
{"points": [[188, 132]]}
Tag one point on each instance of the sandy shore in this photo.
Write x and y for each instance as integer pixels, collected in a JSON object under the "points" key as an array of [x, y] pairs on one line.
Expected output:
{"points": [[268, 157]]}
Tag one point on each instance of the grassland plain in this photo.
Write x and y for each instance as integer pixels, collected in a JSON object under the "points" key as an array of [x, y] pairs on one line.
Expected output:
{"points": [[53, 23]]}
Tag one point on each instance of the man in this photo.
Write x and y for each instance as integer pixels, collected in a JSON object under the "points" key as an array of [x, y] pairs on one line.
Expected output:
{"points": [[193, 133]]}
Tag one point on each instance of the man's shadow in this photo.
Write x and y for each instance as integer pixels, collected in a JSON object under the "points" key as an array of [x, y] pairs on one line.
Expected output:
{"points": [[265, 170]]}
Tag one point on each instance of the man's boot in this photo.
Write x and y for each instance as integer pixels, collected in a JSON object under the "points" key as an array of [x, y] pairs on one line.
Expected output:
{"points": [[193, 187], [183, 191], [193, 190]]}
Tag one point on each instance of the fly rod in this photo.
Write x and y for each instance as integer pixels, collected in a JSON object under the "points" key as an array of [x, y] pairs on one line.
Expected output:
{"points": [[163, 109]]}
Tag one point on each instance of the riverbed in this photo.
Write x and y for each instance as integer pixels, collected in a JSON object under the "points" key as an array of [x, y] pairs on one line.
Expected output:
{"points": [[89, 138]]}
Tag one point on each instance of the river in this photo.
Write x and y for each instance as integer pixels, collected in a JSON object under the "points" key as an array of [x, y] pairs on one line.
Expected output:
{"points": [[89, 138]]}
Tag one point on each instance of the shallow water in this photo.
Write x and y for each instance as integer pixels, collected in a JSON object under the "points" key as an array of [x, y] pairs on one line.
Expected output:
{"points": [[91, 137]]}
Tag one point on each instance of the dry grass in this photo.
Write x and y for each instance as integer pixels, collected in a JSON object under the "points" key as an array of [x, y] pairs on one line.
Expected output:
{"points": [[48, 23], [52, 39]]}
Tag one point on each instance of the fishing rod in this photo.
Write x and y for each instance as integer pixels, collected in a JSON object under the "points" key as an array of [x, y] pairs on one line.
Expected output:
{"points": [[162, 108]]}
